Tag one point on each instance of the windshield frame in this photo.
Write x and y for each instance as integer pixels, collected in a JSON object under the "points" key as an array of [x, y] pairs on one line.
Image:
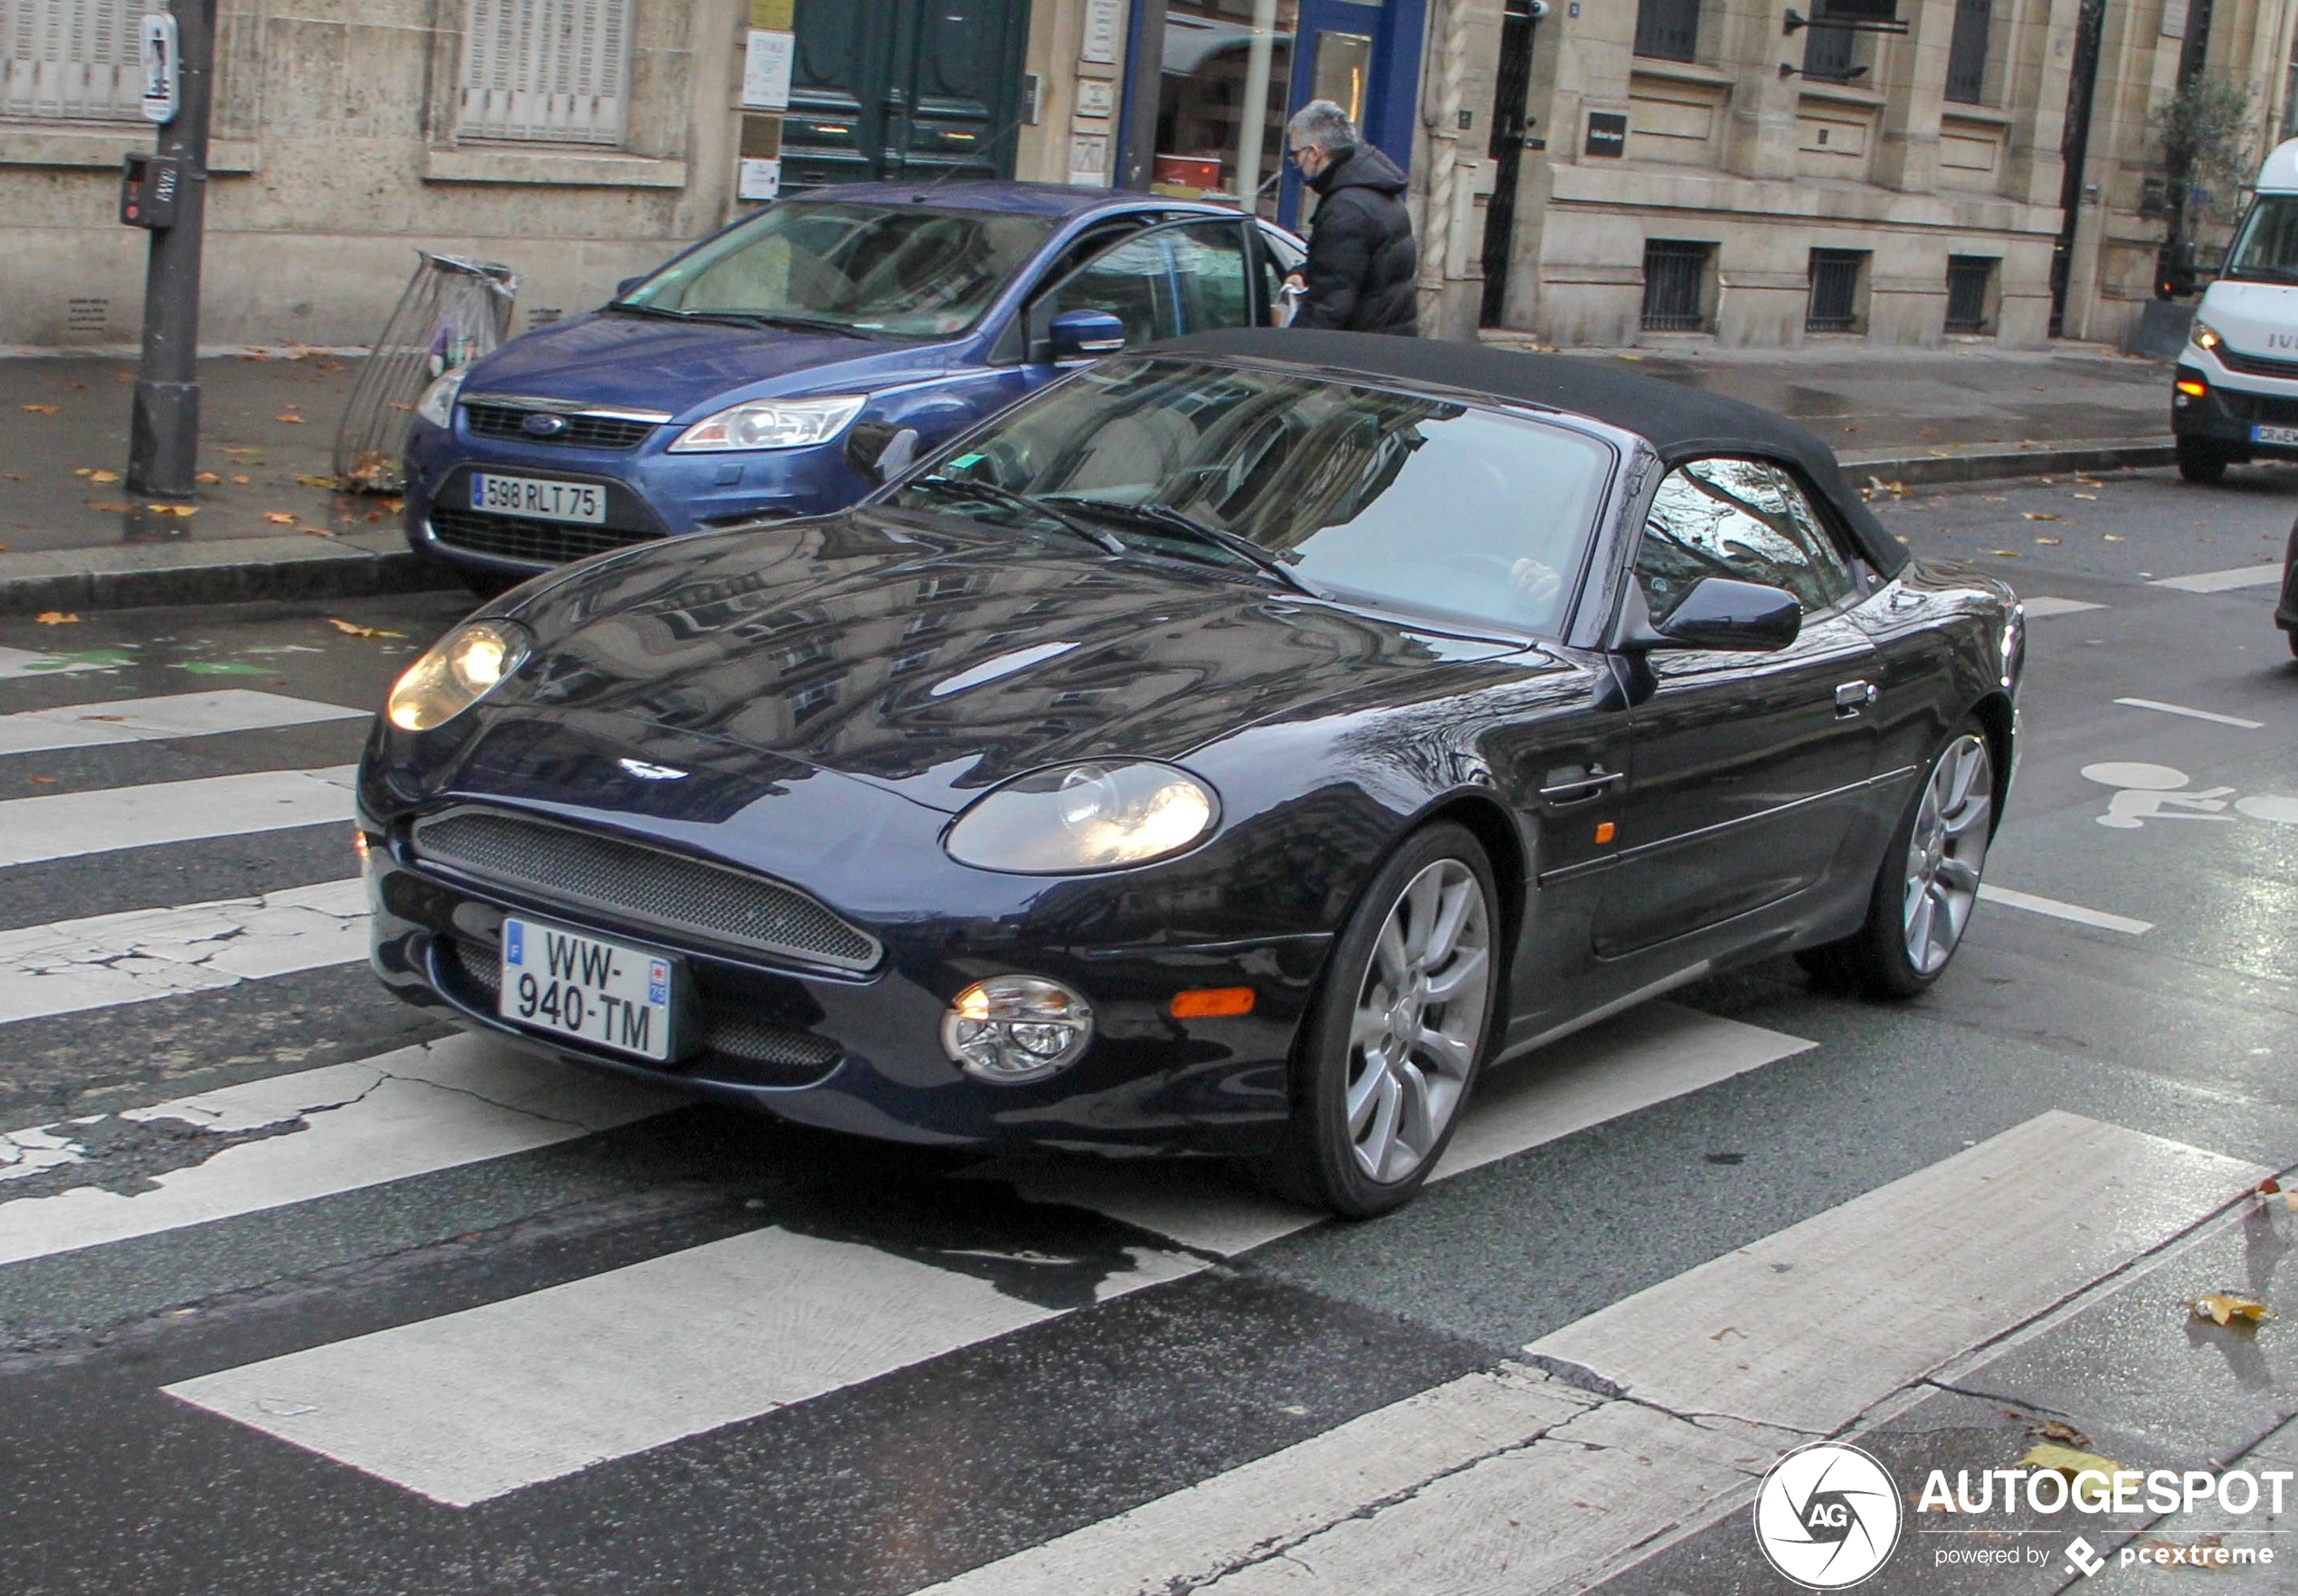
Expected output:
{"points": [[2252, 220], [1604, 505]]}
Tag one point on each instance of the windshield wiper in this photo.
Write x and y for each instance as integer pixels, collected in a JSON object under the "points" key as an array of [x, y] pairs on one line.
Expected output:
{"points": [[996, 494], [737, 319], [633, 308], [1167, 518]]}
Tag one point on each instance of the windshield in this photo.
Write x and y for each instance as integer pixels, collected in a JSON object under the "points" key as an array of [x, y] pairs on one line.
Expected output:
{"points": [[1362, 493], [863, 268], [2267, 249]]}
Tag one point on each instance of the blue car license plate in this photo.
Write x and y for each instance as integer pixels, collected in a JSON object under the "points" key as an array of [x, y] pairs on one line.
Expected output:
{"points": [[538, 496], [573, 984]]}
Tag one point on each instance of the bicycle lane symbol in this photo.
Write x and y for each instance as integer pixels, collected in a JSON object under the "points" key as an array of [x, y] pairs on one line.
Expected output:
{"points": [[2144, 792]]}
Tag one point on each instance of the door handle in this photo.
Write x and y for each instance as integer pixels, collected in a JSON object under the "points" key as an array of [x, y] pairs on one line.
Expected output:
{"points": [[1579, 790], [1852, 697]]}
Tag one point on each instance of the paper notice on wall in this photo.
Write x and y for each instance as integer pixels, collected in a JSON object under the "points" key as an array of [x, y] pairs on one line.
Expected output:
{"points": [[758, 179], [765, 70], [781, 16], [1097, 96], [1101, 24], [2174, 19], [1089, 161]]}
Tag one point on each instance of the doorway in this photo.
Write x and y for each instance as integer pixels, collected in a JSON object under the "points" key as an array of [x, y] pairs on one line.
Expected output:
{"points": [[885, 88], [1510, 87]]}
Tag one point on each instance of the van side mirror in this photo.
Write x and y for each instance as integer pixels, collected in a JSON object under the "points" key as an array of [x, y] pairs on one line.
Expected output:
{"points": [[1718, 614], [1083, 335]]}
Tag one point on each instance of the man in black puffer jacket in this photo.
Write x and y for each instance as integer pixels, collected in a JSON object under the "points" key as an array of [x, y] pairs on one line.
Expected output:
{"points": [[1362, 262]]}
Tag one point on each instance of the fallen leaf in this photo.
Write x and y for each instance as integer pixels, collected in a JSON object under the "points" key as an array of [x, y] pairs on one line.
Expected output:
{"points": [[2093, 496], [2114, 537], [2051, 1429], [1631, 358], [112, 506], [394, 506], [326, 482], [397, 404], [1942, 453], [353, 629], [243, 448], [1994, 498], [315, 531], [2009, 554], [83, 470], [103, 476], [12, 476], [2225, 1307], [289, 416], [2052, 541], [2269, 1187], [224, 668], [206, 479], [41, 781], [55, 618], [43, 409], [2068, 1461], [178, 511], [281, 517], [2041, 516], [240, 481]]}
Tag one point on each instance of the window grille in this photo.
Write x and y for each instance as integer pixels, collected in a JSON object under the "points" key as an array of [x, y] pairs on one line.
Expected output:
{"points": [[1969, 281], [547, 71], [70, 60], [1967, 51], [1828, 54], [1834, 291], [1676, 285], [1669, 30]]}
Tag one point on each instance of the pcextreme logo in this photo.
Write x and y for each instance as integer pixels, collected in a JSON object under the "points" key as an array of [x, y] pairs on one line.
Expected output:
{"points": [[1827, 1516]]}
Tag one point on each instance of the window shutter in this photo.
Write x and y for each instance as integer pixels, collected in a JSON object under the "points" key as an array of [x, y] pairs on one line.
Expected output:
{"points": [[550, 71], [70, 61]]}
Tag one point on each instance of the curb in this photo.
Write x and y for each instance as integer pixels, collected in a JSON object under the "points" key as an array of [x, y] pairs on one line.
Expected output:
{"points": [[1993, 464], [123, 577]]}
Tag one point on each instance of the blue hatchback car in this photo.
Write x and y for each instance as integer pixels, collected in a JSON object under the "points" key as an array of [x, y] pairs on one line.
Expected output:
{"points": [[783, 366]]}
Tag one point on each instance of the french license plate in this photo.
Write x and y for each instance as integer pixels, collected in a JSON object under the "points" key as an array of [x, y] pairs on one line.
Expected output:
{"points": [[572, 984], [538, 496], [2275, 435]]}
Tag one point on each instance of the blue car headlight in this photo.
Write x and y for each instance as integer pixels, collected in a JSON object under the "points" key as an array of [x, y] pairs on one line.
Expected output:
{"points": [[1094, 815], [437, 404], [462, 667], [771, 423]]}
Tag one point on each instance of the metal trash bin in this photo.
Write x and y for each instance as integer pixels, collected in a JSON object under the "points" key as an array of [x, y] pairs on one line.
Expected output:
{"points": [[454, 311]]}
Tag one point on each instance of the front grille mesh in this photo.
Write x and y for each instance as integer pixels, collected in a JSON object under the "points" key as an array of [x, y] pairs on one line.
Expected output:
{"points": [[2256, 365], [518, 537], [582, 432], [641, 884]]}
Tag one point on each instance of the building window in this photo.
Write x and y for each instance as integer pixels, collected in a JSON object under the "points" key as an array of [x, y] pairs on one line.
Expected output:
{"points": [[1668, 29], [1971, 293], [1675, 282], [70, 60], [547, 71], [1967, 51], [1828, 53], [1837, 280]]}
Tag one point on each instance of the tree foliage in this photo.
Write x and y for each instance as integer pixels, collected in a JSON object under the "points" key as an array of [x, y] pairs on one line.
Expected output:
{"points": [[2206, 141]]}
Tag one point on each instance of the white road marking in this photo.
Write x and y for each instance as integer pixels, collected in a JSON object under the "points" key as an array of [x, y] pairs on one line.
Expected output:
{"points": [[1646, 1056], [137, 720], [73, 965], [2223, 580], [69, 824], [406, 1113], [16, 662], [2038, 608], [471, 1405], [1510, 1481], [2208, 714], [2051, 907]]}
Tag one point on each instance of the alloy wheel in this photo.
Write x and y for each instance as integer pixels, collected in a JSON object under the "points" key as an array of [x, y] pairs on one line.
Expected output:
{"points": [[1419, 1023], [1946, 851]]}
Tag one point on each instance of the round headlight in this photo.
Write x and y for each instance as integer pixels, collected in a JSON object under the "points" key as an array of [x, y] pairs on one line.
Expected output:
{"points": [[1016, 1028], [462, 667], [1096, 816]]}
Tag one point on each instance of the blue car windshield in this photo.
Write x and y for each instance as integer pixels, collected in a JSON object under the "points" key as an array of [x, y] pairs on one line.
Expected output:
{"points": [[1354, 492], [900, 270]]}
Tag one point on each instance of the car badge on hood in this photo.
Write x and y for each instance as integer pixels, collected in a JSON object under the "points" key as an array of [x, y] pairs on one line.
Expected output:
{"points": [[653, 773]]}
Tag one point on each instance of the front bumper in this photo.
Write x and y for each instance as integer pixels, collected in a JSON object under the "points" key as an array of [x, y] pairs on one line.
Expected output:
{"points": [[862, 1053], [2226, 416]]}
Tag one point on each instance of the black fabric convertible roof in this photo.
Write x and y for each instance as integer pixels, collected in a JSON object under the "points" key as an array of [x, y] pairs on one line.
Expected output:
{"points": [[1680, 423]]}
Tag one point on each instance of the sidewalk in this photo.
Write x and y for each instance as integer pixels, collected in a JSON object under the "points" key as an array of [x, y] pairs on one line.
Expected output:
{"points": [[71, 538]]}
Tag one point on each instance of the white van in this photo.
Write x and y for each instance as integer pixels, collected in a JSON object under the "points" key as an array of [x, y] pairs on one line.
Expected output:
{"points": [[2236, 395]]}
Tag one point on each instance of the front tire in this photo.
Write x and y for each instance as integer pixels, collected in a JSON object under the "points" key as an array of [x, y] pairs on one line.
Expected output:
{"points": [[1929, 880], [1399, 1029], [2200, 462]]}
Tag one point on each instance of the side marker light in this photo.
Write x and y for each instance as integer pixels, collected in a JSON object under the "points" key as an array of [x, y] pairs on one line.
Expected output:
{"points": [[1606, 830], [1212, 1003]]}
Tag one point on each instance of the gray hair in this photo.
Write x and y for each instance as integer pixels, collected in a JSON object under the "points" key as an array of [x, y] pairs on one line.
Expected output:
{"points": [[1322, 123]]}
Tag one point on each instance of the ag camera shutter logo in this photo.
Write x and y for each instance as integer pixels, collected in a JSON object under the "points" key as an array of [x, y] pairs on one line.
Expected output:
{"points": [[1828, 1515]]}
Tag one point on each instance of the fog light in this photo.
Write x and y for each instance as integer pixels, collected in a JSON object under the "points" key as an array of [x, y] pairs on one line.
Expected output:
{"points": [[1016, 1028]]}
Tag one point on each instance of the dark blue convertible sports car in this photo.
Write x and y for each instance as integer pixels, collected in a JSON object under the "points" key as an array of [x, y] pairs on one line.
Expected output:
{"points": [[763, 371], [1232, 749]]}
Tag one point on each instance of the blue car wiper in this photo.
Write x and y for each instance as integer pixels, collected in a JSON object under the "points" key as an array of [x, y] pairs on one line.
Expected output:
{"points": [[738, 318]]}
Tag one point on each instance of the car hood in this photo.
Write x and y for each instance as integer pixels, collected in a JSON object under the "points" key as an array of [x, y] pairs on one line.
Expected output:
{"points": [[938, 664], [682, 366]]}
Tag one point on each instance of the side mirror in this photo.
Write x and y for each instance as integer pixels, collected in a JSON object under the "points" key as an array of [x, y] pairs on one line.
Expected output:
{"points": [[1084, 335], [878, 451], [1721, 614], [622, 288]]}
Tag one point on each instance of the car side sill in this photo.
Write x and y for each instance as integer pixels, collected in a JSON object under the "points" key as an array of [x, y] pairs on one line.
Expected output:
{"points": [[1603, 1012]]}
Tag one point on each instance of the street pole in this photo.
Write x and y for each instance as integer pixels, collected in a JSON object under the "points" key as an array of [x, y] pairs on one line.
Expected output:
{"points": [[163, 443]]}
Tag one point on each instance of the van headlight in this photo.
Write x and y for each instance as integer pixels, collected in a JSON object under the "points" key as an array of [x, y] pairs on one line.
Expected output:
{"points": [[462, 667], [771, 423], [437, 404], [2205, 335], [1094, 815]]}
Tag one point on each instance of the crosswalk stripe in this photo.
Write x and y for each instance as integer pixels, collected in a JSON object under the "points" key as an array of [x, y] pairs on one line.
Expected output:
{"points": [[471, 1405], [411, 1112], [1649, 1055], [137, 720], [2210, 715], [2223, 581], [1793, 1335], [67, 825], [16, 662], [2036, 905], [75, 965], [2038, 607]]}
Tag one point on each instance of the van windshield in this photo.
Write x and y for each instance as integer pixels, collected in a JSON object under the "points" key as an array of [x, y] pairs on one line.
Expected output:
{"points": [[2267, 249]]}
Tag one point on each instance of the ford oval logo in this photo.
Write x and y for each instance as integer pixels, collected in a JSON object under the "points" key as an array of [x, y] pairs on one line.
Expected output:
{"points": [[543, 425]]}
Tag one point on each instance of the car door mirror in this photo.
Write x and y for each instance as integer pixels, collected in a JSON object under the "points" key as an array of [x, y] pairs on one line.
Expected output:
{"points": [[1725, 615], [877, 452], [622, 288], [1084, 335]]}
